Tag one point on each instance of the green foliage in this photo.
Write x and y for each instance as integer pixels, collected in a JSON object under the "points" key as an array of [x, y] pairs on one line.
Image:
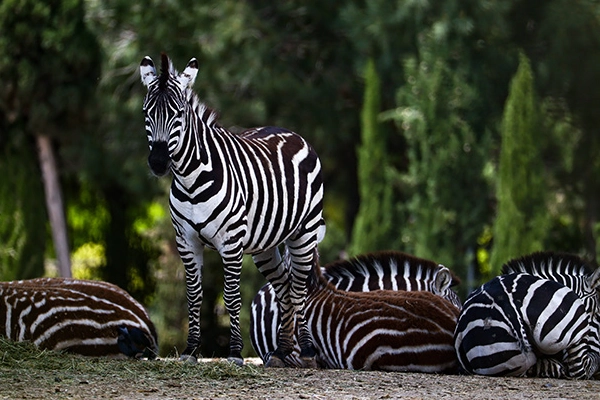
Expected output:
{"points": [[444, 185], [22, 215], [372, 228], [520, 224], [49, 64]]}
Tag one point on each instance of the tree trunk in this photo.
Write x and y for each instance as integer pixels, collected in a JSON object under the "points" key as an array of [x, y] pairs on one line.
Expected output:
{"points": [[54, 204]]}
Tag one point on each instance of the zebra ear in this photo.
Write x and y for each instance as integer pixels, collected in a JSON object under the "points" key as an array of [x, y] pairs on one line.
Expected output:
{"points": [[147, 71], [442, 280], [188, 76]]}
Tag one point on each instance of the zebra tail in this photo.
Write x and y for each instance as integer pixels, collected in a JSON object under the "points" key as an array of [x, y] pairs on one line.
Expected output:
{"points": [[315, 280]]}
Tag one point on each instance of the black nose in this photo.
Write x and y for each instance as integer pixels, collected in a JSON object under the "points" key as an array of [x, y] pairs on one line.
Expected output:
{"points": [[159, 160]]}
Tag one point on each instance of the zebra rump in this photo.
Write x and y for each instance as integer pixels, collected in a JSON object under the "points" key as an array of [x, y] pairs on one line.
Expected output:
{"points": [[385, 270], [539, 319], [91, 318], [409, 331]]}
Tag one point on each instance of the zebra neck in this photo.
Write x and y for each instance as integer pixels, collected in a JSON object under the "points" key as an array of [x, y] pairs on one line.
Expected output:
{"points": [[198, 151]]}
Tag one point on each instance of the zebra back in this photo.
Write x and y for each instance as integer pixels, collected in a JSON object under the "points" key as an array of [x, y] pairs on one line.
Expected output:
{"points": [[91, 318], [566, 269], [393, 270]]}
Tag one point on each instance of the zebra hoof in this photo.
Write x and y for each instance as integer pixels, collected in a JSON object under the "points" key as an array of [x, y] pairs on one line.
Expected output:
{"points": [[275, 362], [188, 358], [236, 360], [309, 362]]}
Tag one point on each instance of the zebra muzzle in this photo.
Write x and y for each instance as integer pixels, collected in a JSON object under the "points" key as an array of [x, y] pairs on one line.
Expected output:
{"points": [[159, 160]]}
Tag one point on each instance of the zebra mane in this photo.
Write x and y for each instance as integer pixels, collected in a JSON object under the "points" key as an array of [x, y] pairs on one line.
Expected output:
{"points": [[394, 260], [166, 70], [548, 263], [204, 112]]}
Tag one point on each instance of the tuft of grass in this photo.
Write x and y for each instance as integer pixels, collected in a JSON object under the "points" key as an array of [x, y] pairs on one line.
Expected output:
{"points": [[25, 358]]}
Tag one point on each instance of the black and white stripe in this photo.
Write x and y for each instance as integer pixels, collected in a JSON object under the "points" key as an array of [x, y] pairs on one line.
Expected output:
{"points": [[237, 194], [386, 270], [538, 319], [391, 330], [91, 318]]}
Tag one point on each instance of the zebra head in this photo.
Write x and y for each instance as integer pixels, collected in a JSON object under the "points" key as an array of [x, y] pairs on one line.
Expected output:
{"points": [[165, 107]]}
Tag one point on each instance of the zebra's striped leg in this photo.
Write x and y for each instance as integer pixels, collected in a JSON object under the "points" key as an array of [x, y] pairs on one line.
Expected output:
{"points": [[233, 302], [269, 263], [581, 361], [192, 260], [547, 368], [304, 259]]}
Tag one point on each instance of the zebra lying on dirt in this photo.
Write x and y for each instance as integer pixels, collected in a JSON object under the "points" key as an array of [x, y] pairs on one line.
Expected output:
{"points": [[538, 319], [91, 318], [369, 272]]}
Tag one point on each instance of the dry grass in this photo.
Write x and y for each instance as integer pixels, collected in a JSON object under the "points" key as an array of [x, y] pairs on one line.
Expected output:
{"points": [[29, 373], [26, 358]]}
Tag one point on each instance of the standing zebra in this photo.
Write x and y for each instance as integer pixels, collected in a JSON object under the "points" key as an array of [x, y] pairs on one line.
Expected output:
{"points": [[386, 270], [91, 318], [236, 194], [538, 319]]}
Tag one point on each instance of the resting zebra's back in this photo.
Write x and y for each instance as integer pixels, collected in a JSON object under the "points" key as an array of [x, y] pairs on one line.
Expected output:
{"points": [[91, 318]]}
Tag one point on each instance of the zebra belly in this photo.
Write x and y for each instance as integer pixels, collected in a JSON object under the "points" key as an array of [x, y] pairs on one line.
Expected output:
{"points": [[194, 225]]}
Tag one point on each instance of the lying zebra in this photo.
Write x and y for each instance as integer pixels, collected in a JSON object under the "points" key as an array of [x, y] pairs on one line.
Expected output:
{"points": [[91, 318], [369, 272], [538, 319]]}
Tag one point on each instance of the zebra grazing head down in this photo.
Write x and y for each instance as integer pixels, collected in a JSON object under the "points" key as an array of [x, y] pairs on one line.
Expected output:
{"points": [[91, 318], [384, 270], [541, 318], [236, 194]]}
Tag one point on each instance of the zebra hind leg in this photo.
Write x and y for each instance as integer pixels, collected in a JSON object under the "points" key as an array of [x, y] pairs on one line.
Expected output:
{"points": [[270, 265], [303, 262]]}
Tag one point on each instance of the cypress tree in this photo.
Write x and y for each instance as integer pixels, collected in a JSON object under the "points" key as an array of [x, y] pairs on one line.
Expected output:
{"points": [[520, 220], [372, 228], [444, 187]]}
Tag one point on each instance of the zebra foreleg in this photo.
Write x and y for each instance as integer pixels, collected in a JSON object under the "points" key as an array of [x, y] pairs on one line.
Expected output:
{"points": [[233, 302], [192, 261], [547, 368], [581, 362]]}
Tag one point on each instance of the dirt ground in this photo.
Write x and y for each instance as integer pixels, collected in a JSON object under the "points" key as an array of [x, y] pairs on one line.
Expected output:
{"points": [[292, 384]]}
